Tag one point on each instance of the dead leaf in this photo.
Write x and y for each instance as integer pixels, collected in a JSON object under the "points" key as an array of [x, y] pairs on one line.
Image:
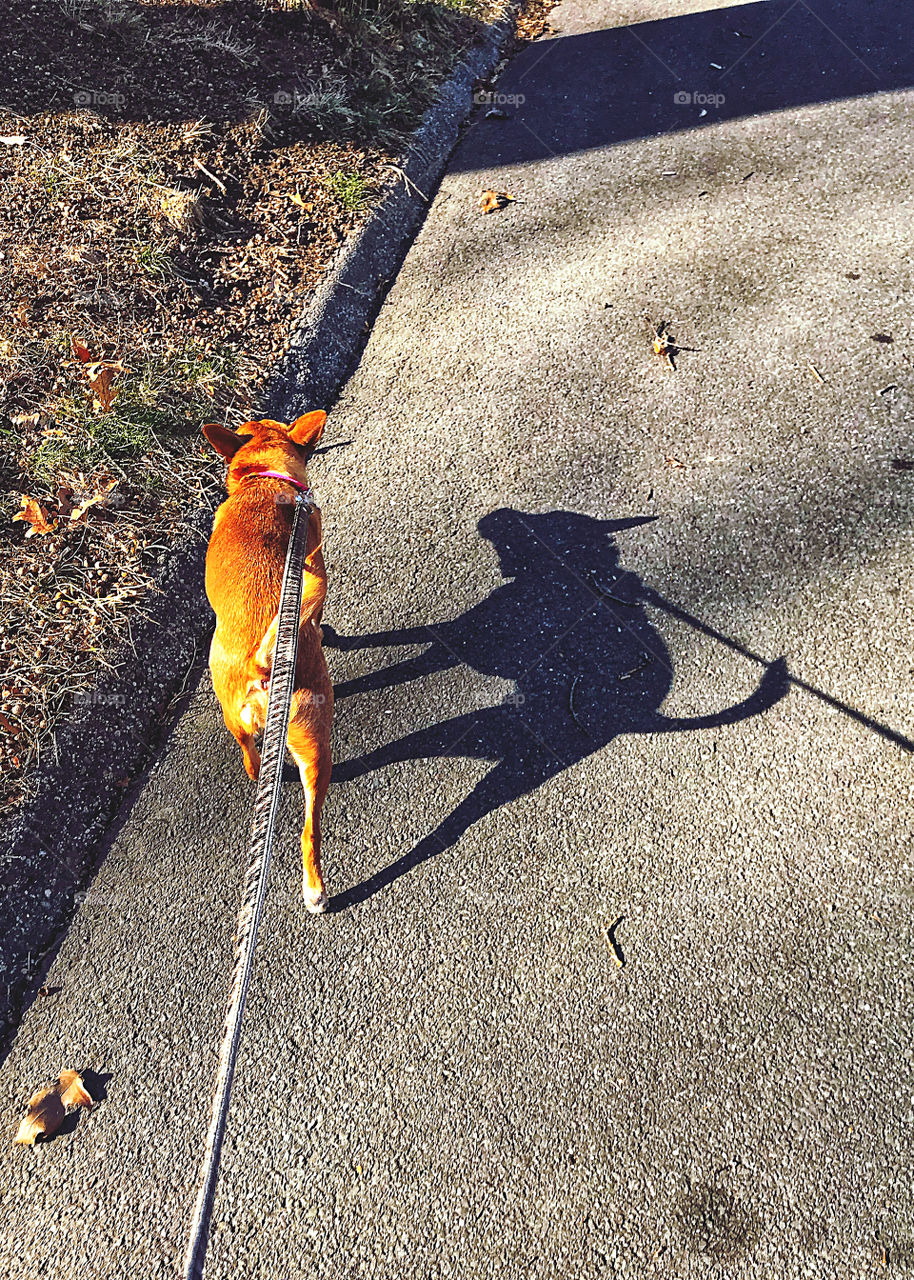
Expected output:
{"points": [[82, 353], [664, 349], [34, 514], [13, 139], [302, 204], [100, 375], [674, 462], [101, 380], [492, 200], [882, 337], [45, 1116], [47, 1107], [73, 1092], [80, 510], [8, 725]]}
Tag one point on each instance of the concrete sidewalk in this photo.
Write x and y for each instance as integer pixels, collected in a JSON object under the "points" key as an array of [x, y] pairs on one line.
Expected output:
{"points": [[561, 576]]}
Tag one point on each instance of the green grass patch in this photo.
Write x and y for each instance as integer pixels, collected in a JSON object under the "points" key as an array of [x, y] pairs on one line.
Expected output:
{"points": [[348, 189], [158, 410]]}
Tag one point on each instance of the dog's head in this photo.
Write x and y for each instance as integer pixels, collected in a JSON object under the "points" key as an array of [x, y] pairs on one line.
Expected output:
{"points": [[267, 446]]}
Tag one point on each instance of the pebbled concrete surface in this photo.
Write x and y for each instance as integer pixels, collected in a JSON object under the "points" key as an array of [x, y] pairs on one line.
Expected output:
{"points": [[552, 748]]}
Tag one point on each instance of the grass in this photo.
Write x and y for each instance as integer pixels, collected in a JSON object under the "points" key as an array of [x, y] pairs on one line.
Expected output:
{"points": [[159, 409], [349, 189], [153, 260]]}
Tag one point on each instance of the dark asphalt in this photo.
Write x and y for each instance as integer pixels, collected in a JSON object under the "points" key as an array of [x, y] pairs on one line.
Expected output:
{"points": [[551, 562]]}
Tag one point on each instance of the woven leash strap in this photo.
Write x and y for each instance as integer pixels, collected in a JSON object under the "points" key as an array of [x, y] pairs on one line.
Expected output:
{"points": [[255, 884]]}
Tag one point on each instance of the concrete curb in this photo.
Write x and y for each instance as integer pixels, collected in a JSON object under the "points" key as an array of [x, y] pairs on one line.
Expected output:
{"points": [[54, 843], [328, 339]]}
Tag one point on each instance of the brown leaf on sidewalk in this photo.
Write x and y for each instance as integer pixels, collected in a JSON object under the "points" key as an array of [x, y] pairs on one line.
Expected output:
{"points": [[48, 1107], [33, 514], [73, 1092], [492, 200], [45, 1116]]}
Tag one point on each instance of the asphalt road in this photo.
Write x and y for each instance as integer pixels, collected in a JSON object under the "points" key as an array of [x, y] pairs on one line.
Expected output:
{"points": [[551, 559]]}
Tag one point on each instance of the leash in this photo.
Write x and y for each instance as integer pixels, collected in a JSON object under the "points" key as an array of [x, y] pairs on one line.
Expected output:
{"points": [[255, 884]]}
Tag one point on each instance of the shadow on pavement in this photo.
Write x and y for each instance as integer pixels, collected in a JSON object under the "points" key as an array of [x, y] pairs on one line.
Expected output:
{"points": [[580, 92], [570, 631]]}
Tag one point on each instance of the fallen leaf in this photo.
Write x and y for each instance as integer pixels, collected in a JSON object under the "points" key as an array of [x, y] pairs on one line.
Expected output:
{"points": [[44, 1116], [101, 380], [73, 1092], [664, 349], [80, 510], [34, 514], [302, 204], [8, 725], [882, 337], [82, 353], [674, 462], [492, 200], [13, 139], [47, 1107]]}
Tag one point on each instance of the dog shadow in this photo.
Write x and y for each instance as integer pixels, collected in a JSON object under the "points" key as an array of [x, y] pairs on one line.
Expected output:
{"points": [[570, 631]]}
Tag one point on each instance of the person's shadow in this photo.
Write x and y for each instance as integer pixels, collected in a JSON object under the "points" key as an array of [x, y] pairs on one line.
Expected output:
{"points": [[570, 631]]}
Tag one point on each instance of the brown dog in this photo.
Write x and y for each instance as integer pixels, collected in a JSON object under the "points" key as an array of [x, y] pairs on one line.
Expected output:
{"points": [[244, 568]]}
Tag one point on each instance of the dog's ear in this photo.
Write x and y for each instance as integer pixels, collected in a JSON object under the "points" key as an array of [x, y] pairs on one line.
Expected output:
{"points": [[223, 440], [307, 430]]}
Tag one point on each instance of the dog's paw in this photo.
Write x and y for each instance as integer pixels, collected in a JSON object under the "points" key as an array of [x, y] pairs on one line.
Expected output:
{"points": [[315, 901]]}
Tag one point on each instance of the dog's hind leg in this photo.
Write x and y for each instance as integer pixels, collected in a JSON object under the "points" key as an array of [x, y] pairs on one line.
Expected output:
{"points": [[310, 749], [242, 734]]}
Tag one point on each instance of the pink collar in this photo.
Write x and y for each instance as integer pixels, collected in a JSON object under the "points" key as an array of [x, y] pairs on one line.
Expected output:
{"points": [[280, 475]]}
